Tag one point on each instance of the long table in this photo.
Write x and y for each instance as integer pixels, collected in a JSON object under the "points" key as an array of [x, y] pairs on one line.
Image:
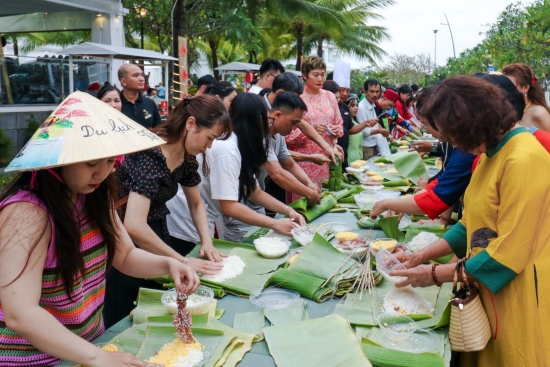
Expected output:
{"points": [[259, 354]]}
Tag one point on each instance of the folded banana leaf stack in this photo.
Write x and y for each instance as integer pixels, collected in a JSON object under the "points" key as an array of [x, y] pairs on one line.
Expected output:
{"points": [[335, 175], [319, 273], [328, 201]]}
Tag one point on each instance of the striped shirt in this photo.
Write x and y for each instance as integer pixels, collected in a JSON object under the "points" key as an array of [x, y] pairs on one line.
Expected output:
{"points": [[82, 316]]}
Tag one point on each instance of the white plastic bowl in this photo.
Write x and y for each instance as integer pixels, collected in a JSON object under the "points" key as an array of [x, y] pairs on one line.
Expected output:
{"points": [[396, 327], [364, 199], [388, 194], [169, 297], [266, 249]]}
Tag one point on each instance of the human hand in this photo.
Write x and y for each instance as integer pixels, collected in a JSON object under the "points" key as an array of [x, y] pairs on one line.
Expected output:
{"points": [[340, 151], [298, 218], [204, 266], [320, 128], [422, 182], [284, 226], [422, 146], [420, 276], [313, 198], [371, 122], [185, 277], [319, 159], [336, 130], [208, 249], [116, 359], [378, 208], [314, 187], [409, 259]]}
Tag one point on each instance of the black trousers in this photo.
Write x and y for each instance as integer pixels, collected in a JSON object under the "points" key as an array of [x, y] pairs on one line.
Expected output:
{"points": [[122, 290]]}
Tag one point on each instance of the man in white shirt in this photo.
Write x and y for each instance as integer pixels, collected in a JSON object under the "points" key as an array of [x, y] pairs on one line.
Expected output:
{"points": [[268, 71], [375, 136]]}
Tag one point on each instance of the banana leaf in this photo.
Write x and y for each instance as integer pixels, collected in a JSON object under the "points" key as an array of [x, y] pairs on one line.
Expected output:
{"points": [[434, 228], [360, 214], [257, 234], [157, 336], [390, 176], [148, 304], [328, 201], [351, 179], [131, 338], [251, 323], [337, 210], [397, 183], [326, 341], [409, 165], [240, 349], [288, 315], [429, 160], [368, 223], [218, 292], [413, 136], [308, 286], [416, 217], [382, 160], [347, 200], [390, 226]]}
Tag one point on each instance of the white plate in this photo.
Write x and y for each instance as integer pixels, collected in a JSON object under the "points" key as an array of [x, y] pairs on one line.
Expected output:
{"points": [[271, 298], [423, 340]]}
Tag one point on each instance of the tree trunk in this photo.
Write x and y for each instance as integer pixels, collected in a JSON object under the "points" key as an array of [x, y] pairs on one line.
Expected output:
{"points": [[320, 47], [214, 52], [177, 31], [299, 46]]}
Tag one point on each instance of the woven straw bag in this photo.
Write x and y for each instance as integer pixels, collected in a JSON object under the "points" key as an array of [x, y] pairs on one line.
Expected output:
{"points": [[469, 330]]}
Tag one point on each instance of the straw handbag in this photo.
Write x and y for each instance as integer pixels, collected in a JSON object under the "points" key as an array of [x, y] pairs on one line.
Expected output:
{"points": [[469, 330]]}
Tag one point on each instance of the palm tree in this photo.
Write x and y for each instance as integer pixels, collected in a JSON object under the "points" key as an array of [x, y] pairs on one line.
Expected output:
{"points": [[26, 42], [221, 51]]}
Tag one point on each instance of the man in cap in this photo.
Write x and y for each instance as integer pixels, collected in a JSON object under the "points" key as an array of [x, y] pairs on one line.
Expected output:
{"points": [[142, 110]]}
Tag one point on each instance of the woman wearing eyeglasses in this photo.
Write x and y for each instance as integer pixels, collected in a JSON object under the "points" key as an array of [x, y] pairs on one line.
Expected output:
{"points": [[322, 113]]}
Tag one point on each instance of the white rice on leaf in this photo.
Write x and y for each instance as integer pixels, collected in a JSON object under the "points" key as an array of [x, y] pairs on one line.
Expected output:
{"points": [[407, 301], [232, 266], [422, 240]]}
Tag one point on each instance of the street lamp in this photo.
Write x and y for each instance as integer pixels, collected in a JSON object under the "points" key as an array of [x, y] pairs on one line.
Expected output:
{"points": [[451, 32], [142, 13], [435, 51]]}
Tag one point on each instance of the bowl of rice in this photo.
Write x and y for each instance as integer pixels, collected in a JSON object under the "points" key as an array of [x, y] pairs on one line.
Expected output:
{"points": [[271, 247], [395, 326], [197, 303], [422, 240], [387, 243]]}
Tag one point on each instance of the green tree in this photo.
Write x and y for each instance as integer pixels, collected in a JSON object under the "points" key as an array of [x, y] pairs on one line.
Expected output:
{"points": [[27, 42]]}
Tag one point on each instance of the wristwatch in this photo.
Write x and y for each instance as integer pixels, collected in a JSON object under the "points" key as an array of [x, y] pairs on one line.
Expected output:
{"points": [[433, 149]]}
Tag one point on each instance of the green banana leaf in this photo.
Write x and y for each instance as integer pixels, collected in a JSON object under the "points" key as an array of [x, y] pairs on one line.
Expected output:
{"points": [[413, 136], [251, 323], [350, 178], [429, 160], [328, 201], [157, 336], [434, 228], [344, 193], [257, 234], [397, 183], [382, 160], [308, 286], [368, 223], [288, 315], [361, 213], [347, 200], [131, 338], [390, 226], [416, 217], [337, 210], [306, 344], [409, 165], [237, 353]]}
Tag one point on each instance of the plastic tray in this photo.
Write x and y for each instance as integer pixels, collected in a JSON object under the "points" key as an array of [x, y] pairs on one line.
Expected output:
{"points": [[274, 298], [423, 340]]}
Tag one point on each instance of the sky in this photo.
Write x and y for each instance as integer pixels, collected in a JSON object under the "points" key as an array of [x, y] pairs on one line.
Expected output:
{"points": [[410, 24]]}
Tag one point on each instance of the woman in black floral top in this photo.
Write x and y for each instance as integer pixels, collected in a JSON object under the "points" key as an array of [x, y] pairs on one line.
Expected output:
{"points": [[150, 178]]}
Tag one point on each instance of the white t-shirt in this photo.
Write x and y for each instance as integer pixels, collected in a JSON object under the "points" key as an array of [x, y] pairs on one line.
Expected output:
{"points": [[224, 161], [366, 112], [255, 89]]}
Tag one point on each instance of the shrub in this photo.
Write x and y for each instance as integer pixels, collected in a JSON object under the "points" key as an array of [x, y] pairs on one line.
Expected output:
{"points": [[33, 125], [5, 146]]}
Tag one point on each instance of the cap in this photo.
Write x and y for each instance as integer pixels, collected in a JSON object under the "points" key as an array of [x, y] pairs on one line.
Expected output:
{"points": [[391, 95]]}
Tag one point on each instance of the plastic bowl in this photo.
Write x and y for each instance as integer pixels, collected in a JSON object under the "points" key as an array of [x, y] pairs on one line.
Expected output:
{"points": [[388, 194], [272, 298], [396, 327], [271, 248], [303, 235], [197, 304], [376, 246], [364, 199]]}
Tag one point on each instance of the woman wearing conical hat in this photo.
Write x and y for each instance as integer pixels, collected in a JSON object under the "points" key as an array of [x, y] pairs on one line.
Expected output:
{"points": [[59, 234]]}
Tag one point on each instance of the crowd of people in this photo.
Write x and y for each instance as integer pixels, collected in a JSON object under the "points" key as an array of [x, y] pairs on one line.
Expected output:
{"points": [[231, 158]]}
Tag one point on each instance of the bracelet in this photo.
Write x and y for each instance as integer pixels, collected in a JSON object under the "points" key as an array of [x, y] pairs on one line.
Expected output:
{"points": [[184, 260], [433, 275], [286, 207]]}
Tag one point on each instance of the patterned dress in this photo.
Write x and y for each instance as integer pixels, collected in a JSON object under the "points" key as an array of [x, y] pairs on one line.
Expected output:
{"points": [[82, 316], [322, 109]]}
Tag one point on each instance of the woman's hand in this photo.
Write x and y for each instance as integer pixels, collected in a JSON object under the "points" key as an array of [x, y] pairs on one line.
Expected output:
{"points": [[423, 182], [204, 266], [420, 276], [185, 277], [294, 215], [320, 128], [284, 226], [319, 159], [378, 208], [422, 146], [335, 129], [409, 259], [116, 359], [208, 250]]}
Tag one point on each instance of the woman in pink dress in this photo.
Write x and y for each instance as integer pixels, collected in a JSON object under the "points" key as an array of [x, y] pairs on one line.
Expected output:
{"points": [[322, 113]]}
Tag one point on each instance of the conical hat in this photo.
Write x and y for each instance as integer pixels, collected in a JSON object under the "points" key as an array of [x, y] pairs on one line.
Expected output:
{"points": [[81, 129]]}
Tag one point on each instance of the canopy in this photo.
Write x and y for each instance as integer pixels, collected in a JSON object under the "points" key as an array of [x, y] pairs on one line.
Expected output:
{"points": [[239, 66], [116, 52]]}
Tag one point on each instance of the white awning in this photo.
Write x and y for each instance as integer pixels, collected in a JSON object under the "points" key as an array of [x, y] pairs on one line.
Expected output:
{"points": [[239, 66], [123, 53]]}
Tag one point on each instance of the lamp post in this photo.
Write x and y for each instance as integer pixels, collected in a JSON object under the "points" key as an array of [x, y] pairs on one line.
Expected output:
{"points": [[142, 13], [451, 32], [435, 48]]}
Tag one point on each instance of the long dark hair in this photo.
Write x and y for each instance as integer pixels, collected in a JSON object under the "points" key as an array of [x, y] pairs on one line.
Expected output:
{"points": [[106, 88], [250, 124], [207, 111], [56, 196], [221, 89], [524, 76]]}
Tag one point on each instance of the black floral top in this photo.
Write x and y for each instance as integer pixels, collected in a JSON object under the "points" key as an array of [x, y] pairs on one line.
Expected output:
{"points": [[146, 173]]}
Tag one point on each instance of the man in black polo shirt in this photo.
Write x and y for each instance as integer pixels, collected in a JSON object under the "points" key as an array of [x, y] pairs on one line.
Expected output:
{"points": [[142, 110]]}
